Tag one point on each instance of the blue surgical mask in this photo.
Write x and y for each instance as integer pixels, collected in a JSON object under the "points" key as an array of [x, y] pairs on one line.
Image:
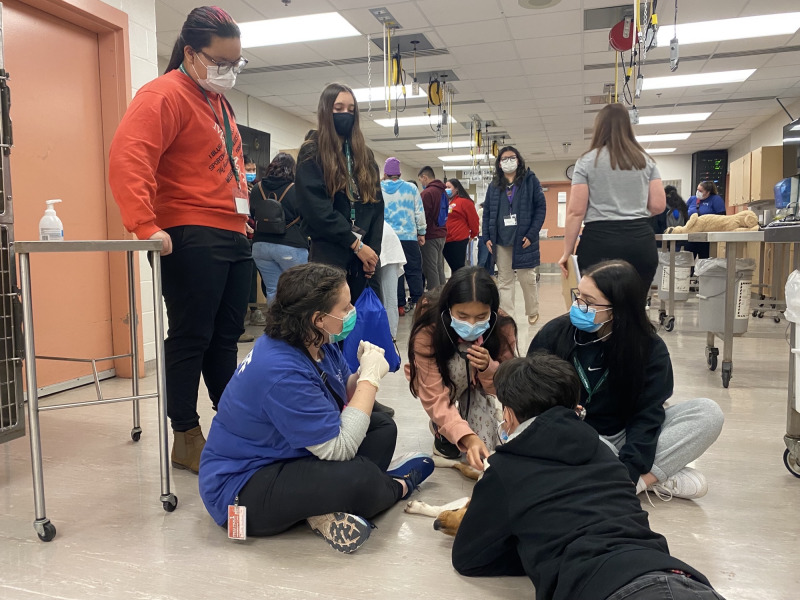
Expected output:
{"points": [[585, 320], [468, 332], [449, 192], [502, 433], [251, 177], [348, 323]]}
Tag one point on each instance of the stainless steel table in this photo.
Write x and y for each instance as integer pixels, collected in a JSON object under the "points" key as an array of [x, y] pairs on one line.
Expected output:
{"points": [[44, 528], [667, 316]]}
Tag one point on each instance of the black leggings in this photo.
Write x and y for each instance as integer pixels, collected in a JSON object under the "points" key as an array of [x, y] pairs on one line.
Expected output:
{"points": [[286, 493], [632, 241], [455, 253]]}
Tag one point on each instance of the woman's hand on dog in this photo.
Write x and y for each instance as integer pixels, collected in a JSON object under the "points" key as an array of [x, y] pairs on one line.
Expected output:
{"points": [[476, 450]]}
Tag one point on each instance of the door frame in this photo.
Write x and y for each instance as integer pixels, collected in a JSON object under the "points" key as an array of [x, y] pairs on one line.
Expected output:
{"points": [[111, 26]]}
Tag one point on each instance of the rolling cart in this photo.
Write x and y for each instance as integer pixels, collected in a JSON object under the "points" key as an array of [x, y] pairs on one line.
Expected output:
{"points": [[44, 528]]}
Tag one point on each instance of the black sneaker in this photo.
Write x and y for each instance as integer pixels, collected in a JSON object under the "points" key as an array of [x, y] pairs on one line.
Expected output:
{"points": [[410, 306], [442, 446], [378, 407]]}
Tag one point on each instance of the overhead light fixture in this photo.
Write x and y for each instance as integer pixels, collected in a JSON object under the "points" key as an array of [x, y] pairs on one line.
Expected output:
{"points": [[456, 157], [432, 121], [379, 93], [290, 30], [707, 79], [731, 29], [685, 118], [796, 128], [660, 150], [662, 137], [445, 145], [466, 167]]}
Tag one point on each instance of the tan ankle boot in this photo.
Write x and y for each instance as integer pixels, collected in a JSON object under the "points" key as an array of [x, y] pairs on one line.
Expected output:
{"points": [[186, 449]]}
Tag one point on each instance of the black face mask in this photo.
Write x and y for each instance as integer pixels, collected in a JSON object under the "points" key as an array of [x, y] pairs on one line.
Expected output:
{"points": [[343, 123]]}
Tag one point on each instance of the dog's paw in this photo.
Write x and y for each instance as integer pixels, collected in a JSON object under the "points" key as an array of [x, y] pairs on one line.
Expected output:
{"points": [[415, 507]]}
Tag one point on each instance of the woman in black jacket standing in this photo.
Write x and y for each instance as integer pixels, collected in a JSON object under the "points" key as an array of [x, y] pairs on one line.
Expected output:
{"points": [[513, 214], [274, 252], [626, 374], [338, 192]]}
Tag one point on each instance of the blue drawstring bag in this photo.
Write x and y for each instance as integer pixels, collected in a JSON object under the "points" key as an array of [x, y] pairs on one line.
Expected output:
{"points": [[372, 325]]}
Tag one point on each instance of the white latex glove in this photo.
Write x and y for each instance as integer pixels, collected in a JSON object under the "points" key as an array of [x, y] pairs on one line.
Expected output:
{"points": [[373, 366], [364, 346]]}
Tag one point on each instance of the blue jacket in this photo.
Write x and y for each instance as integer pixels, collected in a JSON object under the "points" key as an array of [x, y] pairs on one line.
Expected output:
{"points": [[531, 210], [403, 209], [708, 206]]}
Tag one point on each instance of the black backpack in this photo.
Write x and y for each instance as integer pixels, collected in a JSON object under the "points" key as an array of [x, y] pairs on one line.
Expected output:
{"points": [[268, 212]]}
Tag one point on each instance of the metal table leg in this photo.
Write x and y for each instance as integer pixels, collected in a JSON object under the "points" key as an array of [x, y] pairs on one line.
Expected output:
{"points": [[168, 499], [44, 528], [136, 431], [731, 249]]}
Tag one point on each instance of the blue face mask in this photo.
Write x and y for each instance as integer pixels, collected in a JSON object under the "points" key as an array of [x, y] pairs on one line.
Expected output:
{"points": [[467, 331], [585, 320], [449, 192], [251, 177]]}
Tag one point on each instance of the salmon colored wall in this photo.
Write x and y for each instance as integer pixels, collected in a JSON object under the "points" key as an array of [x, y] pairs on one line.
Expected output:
{"points": [[551, 250], [70, 84]]}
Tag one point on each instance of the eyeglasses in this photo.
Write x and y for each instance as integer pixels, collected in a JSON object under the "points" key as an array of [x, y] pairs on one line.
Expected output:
{"points": [[582, 304], [507, 158], [223, 68]]}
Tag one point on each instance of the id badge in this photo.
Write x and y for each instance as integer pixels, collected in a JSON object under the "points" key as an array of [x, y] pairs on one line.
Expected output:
{"points": [[510, 220], [242, 205], [237, 522]]}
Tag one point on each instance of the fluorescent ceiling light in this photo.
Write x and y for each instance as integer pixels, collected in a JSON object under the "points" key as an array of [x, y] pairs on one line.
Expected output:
{"points": [[455, 157], [379, 93], [446, 145], [791, 140], [290, 30], [432, 120], [465, 168], [662, 137], [657, 119], [708, 79], [660, 150], [731, 29], [795, 128]]}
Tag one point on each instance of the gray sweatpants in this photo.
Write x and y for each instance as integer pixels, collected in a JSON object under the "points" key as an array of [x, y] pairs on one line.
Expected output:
{"points": [[689, 429], [433, 263]]}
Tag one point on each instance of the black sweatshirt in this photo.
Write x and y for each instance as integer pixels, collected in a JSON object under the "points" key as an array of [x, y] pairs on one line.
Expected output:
{"points": [[557, 505], [608, 412], [326, 220]]}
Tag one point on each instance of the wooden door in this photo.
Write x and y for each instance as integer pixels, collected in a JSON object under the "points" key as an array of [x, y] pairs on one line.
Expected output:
{"points": [[735, 194], [59, 153]]}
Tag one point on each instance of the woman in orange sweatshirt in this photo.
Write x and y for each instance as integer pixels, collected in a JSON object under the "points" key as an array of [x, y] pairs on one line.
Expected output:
{"points": [[462, 224], [457, 343], [176, 170]]}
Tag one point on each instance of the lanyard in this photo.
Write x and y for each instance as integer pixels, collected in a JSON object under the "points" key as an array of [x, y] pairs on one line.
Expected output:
{"points": [[510, 197], [351, 182], [227, 125], [585, 380]]}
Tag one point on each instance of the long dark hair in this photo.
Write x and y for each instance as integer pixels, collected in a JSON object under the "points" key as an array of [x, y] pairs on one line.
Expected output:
{"points": [[613, 131], [710, 187], [674, 201], [326, 145], [499, 179], [302, 291], [460, 191], [200, 26], [627, 349], [282, 166], [468, 284]]}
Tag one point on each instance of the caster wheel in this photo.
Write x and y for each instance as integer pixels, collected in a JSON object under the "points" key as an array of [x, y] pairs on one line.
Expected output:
{"points": [[726, 379], [170, 505], [761, 315], [711, 358], [662, 315], [50, 530], [755, 313], [791, 463], [670, 324], [648, 302], [136, 435], [776, 319]]}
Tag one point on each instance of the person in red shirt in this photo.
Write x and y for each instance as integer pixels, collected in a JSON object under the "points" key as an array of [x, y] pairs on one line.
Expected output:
{"points": [[462, 225], [176, 170]]}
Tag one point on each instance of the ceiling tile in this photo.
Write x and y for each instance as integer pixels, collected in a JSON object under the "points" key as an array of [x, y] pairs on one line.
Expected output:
{"points": [[554, 64], [558, 23], [482, 53], [465, 34]]}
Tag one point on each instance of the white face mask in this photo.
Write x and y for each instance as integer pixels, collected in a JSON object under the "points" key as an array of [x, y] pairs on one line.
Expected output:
{"points": [[509, 165], [700, 195], [214, 82]]}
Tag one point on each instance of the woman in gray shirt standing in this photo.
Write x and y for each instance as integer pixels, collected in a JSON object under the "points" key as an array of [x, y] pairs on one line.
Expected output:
{"points": [[616, 188]]}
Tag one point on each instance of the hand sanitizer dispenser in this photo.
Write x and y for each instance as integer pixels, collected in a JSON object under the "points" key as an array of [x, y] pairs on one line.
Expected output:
{"points": [[50, 227]]}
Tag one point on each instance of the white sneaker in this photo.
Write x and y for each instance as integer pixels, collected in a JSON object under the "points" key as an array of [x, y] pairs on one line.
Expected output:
{"points": [[687, 483], [343, 531]]}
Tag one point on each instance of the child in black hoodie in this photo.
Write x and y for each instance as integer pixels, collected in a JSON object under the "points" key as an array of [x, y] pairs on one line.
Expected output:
{"points": [[557, 505]]}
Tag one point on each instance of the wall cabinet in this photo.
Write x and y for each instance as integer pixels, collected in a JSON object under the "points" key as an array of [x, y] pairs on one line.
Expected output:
{"points": [[753, 176]]}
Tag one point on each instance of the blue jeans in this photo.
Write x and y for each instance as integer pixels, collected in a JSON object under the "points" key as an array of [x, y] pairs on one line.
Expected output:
{"points": [[660, 585], [274, 259]]}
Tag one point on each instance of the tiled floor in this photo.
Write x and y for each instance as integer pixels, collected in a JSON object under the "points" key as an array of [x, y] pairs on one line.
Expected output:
{"points": [[115, 541]]}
